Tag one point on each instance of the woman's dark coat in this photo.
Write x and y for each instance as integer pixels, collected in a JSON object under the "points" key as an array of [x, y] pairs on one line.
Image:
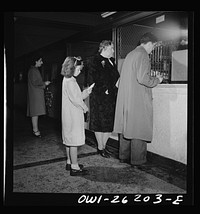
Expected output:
{"points": [[35, 99], [102, 100]]}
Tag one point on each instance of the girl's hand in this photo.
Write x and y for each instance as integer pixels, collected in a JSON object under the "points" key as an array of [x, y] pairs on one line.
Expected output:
{"points": [[89, 89], [85, 109]]}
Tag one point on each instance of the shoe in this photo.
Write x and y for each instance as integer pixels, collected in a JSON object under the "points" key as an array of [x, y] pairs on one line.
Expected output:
{"points": [[103, 153], [108, 152], [139, 166], [124, 161], [37, 134], [77, 172], [68, 166]]}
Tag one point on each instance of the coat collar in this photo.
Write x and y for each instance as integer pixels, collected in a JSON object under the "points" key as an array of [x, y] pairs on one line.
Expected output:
{"points": [[100, 57]]}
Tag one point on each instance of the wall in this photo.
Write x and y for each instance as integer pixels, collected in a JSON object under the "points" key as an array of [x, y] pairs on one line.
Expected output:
{"points": [[83, 48], [20, 96]]}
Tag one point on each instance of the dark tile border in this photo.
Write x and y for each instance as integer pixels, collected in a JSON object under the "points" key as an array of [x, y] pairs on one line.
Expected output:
{"points": [[44, 162]]}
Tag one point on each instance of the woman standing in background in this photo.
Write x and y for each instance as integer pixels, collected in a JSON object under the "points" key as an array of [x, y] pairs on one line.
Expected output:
{"points": [[35, 99]]}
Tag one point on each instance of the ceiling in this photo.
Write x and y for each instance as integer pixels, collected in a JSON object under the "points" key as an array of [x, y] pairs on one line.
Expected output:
{"points": [[34, 30]]}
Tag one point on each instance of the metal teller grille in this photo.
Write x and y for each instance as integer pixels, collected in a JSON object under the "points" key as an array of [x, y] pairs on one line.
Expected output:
{"points": [[161, 57]]}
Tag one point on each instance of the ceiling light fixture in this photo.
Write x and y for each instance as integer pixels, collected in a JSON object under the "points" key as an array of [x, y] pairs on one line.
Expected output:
{"points": [[105, 14]]}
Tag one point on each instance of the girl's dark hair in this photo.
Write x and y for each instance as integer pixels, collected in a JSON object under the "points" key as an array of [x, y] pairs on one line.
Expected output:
{"points": [[148, 37], [69, 65]]}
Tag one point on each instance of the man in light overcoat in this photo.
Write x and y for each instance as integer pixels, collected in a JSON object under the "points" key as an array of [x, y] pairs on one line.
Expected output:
{"points": [[134, 107]]}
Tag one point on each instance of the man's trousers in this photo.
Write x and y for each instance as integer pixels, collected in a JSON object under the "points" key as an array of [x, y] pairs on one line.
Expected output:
{"points": [[132, 150]]}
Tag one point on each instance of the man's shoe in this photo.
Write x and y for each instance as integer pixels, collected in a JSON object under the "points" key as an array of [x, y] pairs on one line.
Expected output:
{"points": [[124, 161], [68, 166], [139, 166], [77, 172]]}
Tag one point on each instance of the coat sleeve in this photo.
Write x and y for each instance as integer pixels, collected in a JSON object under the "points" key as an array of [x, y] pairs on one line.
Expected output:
{"points": [[143, 72], [114, 77], [75, 96], [36, 79]]}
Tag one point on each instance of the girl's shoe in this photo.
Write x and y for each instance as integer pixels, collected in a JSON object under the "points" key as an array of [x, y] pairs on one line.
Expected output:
{"points": [[37, 134], [68, 166]]}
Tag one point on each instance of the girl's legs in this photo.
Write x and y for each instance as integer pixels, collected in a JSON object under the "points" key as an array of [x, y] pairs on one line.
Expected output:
{"points": [[68, 155], [75, 168], [74, 157]]}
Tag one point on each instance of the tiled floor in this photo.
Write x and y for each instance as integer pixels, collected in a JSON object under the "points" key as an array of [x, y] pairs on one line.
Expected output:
{"points": [[39, 166]]}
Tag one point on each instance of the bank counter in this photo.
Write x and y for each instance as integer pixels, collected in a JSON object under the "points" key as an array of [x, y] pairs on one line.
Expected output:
{"points": [[169, 122]]}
